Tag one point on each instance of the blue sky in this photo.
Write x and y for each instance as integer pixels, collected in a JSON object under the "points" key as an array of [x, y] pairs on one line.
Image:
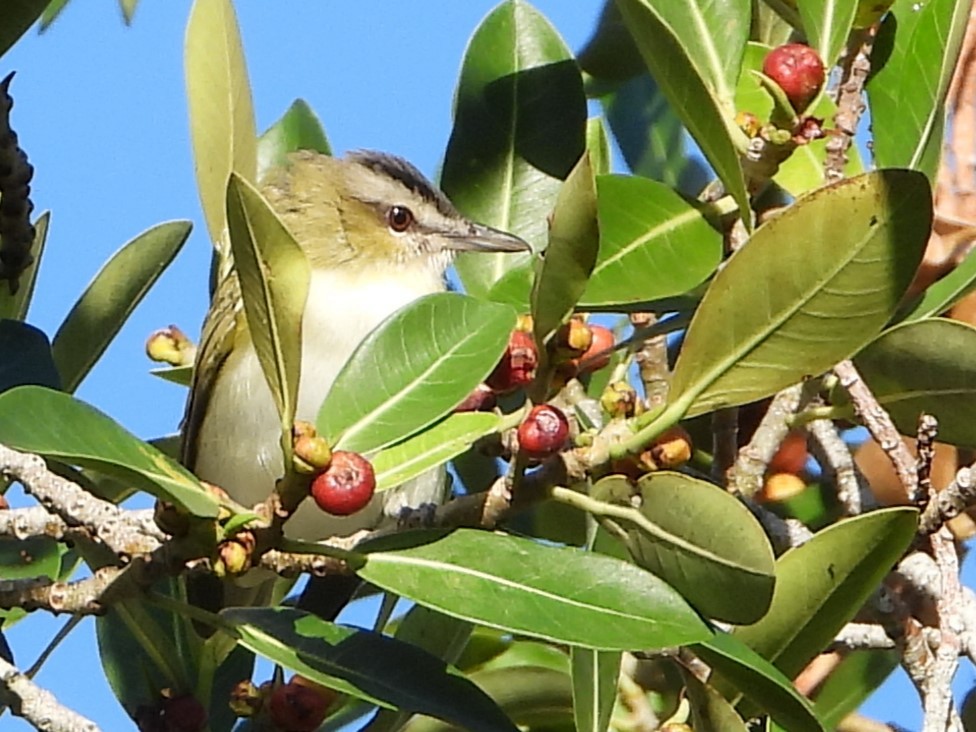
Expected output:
{"points": [[100, 109]]}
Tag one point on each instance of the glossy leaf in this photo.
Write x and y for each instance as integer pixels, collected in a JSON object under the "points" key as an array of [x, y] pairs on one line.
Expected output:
{"points": [[16, 16], [594, 687], [821, 584], [803, 170], [110, 298], [941, 295], [811, 288], [560, 595], [925, 366], [26, 357], [710, 712], [128, 8], [35, 556], [69, 430], [366, 665], [653, 243], [598, 146], [727, 574], [15, 305], [51, 12], [857, 676], [768, 26], [274, 276], [913, 60], [414, 368], [574, 238], [694, 49], [826, 24], [399, 463], [298, 129], [221, 111], [519, 127], [759, 681], [180, 375]]}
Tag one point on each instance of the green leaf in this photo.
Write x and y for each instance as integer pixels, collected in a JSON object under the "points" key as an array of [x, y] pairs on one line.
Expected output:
{"points": [[26, 357], [110, 298], [519, 128], [446, 439], [857, 676], [36, 556], [811, 287], [366, 665], [914, 57], [710, 712], [414, 368], [16, 16], [826, 24], [821, 585], [728, 574], [653, 243], [298, 129], [651, 137], [62, 427], [925, 366], [15, 305], [560, 595], [694, 50], [594, 687], [51, 12], [941, 295], [758, 680], [221, 112], [128, 8], [180, 375], [598, 146], [274, 276], [574, 238]]}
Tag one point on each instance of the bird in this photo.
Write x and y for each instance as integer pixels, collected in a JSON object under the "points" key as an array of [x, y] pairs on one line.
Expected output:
{"points": [[377, 235]]}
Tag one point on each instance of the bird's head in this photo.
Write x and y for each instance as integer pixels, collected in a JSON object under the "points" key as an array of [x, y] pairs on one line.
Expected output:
{"points": [[373, 209]]}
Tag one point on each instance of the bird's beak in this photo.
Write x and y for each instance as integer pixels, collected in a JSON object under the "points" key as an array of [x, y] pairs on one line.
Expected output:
{"points": [[479, 238]]}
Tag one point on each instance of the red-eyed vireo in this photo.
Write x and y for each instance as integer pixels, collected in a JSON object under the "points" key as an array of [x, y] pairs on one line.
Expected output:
{"points": [[377, 235]]}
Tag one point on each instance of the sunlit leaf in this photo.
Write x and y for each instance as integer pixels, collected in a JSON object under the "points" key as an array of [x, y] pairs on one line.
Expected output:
{"points": [[519, 127], [826, 24], [912, 62], [821, 584], [110, 298], [594, 687], [811, 287], [274, 276], [946, 292], [71, 431], [221, 112], [561, 595], [297, 129], [414, 368]]}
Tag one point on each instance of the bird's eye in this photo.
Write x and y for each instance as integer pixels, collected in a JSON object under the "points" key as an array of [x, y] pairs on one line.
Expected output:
{"points": [[399, 218]]}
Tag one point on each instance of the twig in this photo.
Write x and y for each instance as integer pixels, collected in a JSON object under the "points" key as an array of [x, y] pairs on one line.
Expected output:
{"points": [[959, 495], [37, 705], [855, 67], [753, 459], [725, 443], [82, 597], [24, 523], [834, 456], [879, 424], [861, 636], [651, 356], [113, 526], [928, 429]]}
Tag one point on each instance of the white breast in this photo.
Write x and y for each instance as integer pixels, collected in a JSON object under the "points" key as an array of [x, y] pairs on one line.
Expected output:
{"points": [[244, 458]]}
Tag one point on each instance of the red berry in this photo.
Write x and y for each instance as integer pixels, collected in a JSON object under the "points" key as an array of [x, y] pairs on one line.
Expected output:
{"points": [[798, 70], [518, 364], [598, 354], [482, 399], [296, 707], [543, 432], [347, 485]]}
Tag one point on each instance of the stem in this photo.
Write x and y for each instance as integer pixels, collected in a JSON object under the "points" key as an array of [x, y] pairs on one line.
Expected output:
{"points": [[191, 612]]}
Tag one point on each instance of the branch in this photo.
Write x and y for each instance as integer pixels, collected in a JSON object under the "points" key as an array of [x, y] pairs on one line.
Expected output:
{"points": [[38, 706], [113, 526], [959, 495], [855, 67], [834, 456], [754, 458]]}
